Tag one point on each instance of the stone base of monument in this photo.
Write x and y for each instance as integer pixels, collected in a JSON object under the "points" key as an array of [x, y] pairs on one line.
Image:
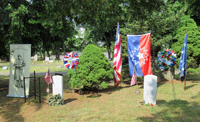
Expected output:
{"points": [[168, 75], [150, 89]]}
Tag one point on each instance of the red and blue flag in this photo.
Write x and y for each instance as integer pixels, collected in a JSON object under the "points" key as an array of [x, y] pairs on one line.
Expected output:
{"points": [[139, 54]]}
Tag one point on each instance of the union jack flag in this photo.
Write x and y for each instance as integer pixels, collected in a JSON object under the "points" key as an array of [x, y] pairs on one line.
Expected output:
{"points": [[117, 61]]}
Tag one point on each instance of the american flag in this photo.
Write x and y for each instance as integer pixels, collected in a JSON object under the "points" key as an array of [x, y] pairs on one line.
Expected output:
{"points": [[117, 61], [133, 80], [47, 77]]}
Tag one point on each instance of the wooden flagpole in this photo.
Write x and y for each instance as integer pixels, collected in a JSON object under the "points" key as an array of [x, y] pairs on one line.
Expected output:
{"points": [[185, 81]]}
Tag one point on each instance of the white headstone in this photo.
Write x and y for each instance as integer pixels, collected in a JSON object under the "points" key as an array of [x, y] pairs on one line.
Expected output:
{"points": [[36, 57], [46, 58], [57, 85], [5, 68], [51, 61], [150, 89]]}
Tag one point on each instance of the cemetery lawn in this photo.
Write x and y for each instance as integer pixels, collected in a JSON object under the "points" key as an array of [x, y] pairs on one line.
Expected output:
{"points": [[56, 62], [121, 104], [38, 66]]}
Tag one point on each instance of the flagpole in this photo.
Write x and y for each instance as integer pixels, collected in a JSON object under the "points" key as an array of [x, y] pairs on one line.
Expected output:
{"points": [[48, 85], [121, 74], [185, 81], [48, 95]]}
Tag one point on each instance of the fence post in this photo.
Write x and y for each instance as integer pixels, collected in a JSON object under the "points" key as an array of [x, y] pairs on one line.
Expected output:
{"points": [[24, 89], [34, 86], [39, 92]]}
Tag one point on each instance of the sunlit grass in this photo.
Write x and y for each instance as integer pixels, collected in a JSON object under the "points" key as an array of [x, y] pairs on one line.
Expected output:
{"points": [[39, 66], [121, 104], [174, 104], [56, 62]]}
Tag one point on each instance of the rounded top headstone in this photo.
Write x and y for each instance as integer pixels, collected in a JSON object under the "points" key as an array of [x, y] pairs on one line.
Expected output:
{"points": [[58, 74]]}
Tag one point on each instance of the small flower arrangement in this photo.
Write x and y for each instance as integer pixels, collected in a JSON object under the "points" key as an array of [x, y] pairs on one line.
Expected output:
{"points": [[166, 59], [56, 100]]}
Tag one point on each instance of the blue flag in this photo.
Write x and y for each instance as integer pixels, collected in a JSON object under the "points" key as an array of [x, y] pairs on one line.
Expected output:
{"points": [[183, 60]]}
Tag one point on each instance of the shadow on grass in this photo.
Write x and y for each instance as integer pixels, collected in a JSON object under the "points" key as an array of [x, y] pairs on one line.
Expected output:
{"points": [[10, 107], [95, 93], [66, 101], [188, 87], [94, 96], [175, 111], [112, 89]]}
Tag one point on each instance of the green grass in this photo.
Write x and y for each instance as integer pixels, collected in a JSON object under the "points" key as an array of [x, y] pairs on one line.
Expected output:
{"points": [[4, 63], [56, 62], [39, 66], [121, 104], [109, 105], [40, 69]]}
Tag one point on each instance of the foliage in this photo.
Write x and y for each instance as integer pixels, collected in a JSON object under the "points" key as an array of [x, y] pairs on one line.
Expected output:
{"points": [[161, 22], [94, 69], [42, 24], [188, 25], [55, 100]]}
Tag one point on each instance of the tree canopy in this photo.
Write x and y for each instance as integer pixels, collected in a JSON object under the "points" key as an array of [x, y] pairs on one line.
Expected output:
{"points": [[50, 25]]}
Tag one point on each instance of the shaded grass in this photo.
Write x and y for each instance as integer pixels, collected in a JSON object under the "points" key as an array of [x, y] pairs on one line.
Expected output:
{"points": [[121, 104]]}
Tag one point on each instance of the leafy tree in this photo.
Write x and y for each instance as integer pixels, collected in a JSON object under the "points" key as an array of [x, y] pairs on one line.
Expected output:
{"points": [[193, 10], [94, 69], [188, 25], [161, 22], [40, 23]]}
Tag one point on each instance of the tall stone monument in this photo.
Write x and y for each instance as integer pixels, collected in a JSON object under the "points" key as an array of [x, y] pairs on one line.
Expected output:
{"points": [[20, 56]]}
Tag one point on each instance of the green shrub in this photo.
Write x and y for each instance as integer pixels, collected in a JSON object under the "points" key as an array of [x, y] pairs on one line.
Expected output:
{"points": [[93, 71]]}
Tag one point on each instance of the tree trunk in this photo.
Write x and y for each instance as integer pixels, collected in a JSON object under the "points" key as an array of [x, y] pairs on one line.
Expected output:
{"points": [[57, 52], [83, 46], [43, 52], [108, 47]]}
